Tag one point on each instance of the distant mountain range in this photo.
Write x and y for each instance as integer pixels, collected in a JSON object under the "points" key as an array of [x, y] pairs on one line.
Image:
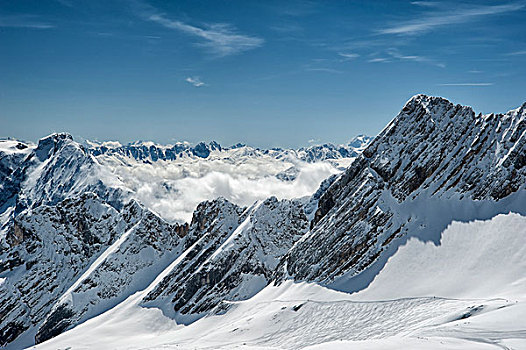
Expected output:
{"points": [[150, 151]]}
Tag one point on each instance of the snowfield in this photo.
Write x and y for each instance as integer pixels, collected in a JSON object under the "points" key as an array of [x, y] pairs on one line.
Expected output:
{"points": [[468, 292]]}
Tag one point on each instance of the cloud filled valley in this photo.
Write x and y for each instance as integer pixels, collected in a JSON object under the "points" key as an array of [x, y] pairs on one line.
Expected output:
{"points": [[174, 188]]}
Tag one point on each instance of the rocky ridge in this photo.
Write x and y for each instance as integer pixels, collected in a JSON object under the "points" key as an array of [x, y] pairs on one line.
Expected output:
{"points": [[435, 162]]}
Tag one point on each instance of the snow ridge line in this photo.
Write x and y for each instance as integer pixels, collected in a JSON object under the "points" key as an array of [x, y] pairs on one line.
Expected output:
{"points": [[111, 249]]}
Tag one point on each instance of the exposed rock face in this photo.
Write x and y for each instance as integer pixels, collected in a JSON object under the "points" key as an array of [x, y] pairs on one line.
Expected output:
{"points": [[127, 266], [47, 249], [432, 152], [235, 257], [212, 223], [51, 144]]}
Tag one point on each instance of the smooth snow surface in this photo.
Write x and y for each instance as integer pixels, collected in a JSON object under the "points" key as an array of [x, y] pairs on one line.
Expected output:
{"points": [[468, 292], [482, 259]]}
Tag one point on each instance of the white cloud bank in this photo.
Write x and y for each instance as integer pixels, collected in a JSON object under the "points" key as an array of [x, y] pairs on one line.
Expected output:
{"points": [[173, 189]]}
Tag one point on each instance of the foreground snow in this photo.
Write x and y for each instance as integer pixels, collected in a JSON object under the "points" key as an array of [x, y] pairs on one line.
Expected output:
{"points": [[468, 292]]}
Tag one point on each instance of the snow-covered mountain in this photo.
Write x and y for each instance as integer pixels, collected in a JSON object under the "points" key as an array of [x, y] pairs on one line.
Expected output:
{"points": [[231, 264], [150, 151], [434, 163], [73, 230], [89, 257]]}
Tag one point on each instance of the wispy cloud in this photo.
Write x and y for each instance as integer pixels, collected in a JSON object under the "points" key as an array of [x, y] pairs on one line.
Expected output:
{"points": [[379, 60], [517, 53], [425, 3], [348, 56], [434, 19], [466, 84], [24, 21], [323, 65], [219, 38], [195, 81], [396, 54]]}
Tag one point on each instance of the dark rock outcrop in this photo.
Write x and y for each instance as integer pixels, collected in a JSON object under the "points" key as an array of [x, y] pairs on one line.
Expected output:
{"points": [[434, 156]]}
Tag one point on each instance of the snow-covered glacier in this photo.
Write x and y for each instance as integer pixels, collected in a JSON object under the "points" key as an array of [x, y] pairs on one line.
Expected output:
{"points": [[414, 239], [87, 224]]}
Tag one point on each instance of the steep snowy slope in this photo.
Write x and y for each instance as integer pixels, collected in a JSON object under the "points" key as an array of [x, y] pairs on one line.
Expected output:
{"points": [[66, 263], [433, 304], [434, 163], [44, 251], [235, 265], [129, 264]]}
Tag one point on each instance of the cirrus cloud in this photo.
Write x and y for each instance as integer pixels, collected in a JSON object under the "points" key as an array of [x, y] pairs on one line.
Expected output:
{"points": [[195, 81], [453, 15]]}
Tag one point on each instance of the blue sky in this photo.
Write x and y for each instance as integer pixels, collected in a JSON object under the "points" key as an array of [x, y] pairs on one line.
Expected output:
{"points": [[266, 73]]}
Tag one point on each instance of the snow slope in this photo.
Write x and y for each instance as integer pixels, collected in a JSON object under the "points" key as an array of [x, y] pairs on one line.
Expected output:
{"points": [[460, 294], [478, 259], [435, 163]]}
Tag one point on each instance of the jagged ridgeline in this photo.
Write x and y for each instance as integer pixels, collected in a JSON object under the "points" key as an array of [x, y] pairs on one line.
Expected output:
{"points": [[73, 244], [151, 152]]}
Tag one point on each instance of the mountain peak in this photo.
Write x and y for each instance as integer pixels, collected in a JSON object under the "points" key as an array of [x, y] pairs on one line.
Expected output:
{"points": [[57, 136], [426, 101], [49, 144]]}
